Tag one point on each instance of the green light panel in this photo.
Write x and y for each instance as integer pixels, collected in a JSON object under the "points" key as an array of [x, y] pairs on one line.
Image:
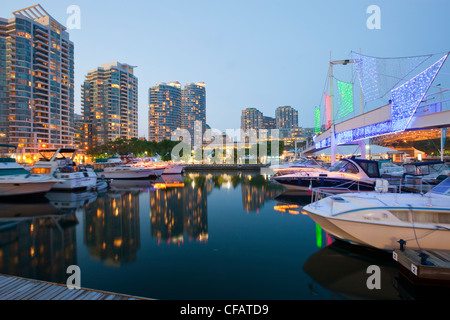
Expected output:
{"points": [[317, 121], [345, 90]]}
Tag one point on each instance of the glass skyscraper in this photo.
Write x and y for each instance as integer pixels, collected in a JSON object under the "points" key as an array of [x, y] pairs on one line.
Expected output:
{"points": [[36, 81], [165, 115], [110, 104], [193, 106]]}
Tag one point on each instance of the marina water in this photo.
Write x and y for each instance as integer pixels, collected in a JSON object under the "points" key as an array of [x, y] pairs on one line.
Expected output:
{"points": [[206, 236]]}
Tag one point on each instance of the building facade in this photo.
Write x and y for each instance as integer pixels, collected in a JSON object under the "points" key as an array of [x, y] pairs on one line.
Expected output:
{"points": [[36, 81], [110, 104], [164, 110], [251, 118], [193, 106], [286, 117]]}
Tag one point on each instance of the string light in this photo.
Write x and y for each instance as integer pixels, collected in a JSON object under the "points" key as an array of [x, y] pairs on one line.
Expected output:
{"points": [[345, 90], [317, 121], [407, 97]]}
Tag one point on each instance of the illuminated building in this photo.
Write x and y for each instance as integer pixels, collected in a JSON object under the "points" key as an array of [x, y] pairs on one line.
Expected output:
{"points": [[269, 123], [193, 106], [251, 118], [164, 110], [110, 104], [286, 117], [36, 82]]}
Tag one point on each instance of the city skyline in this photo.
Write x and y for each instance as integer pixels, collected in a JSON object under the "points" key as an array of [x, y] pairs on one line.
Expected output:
{"points": [[269, 54]]}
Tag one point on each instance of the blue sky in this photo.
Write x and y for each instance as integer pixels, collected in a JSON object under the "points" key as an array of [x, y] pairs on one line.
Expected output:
{"points": [[250, 53]]}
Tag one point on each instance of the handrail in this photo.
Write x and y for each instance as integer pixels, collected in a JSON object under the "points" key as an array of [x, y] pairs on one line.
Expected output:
{"points": [[319, 193]]}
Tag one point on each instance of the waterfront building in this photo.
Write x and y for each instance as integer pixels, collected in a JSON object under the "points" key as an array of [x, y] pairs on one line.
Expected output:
{"points": [[78, 132], [193, 109], [110, 104], [269, 123], [164, 110], [251, 118], [286, 117], [36, 81]]}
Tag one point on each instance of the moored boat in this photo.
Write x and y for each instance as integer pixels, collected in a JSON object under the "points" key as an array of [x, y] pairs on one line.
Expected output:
{"points": [[346, 175], [114, 168], [16, 181], [381, 220], [60, 163]]}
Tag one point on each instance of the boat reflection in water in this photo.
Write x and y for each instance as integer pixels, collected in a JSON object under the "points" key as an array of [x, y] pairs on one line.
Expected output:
{"points": [[342, 268], [37, 240]]}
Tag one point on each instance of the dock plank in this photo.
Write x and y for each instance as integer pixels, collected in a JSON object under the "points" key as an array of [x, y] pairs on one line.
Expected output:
{"points": [[438, 272], [16, 288]]}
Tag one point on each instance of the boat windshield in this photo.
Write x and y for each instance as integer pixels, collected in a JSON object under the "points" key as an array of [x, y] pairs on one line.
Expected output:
{"points": [[442, 188], [338, 166]]}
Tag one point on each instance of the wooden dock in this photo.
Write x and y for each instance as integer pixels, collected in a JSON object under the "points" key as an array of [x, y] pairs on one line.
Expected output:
{"points": [[16, 288], [433, 268]]}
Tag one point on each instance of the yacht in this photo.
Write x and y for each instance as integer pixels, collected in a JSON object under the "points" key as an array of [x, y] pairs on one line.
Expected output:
{"points": [[115, 168], [431, 172], [60, 163], [298, 165], [16, 181], [169, 168], [382, 219], [346, 175]]}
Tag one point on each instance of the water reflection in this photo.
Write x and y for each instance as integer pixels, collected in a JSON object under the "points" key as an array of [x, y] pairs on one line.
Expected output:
{"points": [[180, 211], [39, 240], [112, 228], [36, 240]]}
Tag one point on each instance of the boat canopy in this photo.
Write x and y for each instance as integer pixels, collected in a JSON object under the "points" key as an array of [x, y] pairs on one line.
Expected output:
{"points": [[442, 188]]}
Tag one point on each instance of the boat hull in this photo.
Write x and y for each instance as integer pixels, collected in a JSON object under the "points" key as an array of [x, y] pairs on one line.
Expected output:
{"points": [[383, 236], [17, 189], [75, 181], [131, 174], [326, 184], [173, 169]]}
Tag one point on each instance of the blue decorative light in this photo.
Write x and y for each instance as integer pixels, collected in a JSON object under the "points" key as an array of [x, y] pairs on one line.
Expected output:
{"points": [[378, 76], [407, 97]]}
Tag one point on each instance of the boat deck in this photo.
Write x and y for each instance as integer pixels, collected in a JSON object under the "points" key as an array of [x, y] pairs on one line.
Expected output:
{"points": [[16, 288]]}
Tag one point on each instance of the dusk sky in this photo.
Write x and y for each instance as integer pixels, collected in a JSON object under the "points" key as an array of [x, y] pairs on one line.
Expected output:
{"points": [[258, 53]]}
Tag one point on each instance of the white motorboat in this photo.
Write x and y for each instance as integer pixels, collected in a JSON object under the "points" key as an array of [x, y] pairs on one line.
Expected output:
{"points": [[60, 164], [298, 165], [381, 220], [346, 175], [16, 181], [154, 162], [114, 168]]}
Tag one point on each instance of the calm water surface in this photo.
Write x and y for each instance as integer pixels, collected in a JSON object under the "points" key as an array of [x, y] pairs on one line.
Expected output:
{"points": [[197, 236]]}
